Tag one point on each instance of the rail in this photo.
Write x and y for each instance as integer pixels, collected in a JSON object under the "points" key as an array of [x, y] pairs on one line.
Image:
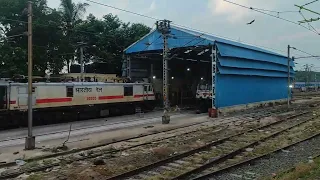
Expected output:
{"points": [[202, 148]]}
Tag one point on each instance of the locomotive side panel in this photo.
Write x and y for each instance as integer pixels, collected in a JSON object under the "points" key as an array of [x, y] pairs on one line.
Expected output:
{"points": [[61, 95], [18, 97], [43, 96], [138, 93], [110, 93], [51, 96], [144, 93]]}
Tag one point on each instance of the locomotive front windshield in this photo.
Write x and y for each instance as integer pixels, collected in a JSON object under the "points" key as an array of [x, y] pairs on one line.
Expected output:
{"points": [[204, 87]]}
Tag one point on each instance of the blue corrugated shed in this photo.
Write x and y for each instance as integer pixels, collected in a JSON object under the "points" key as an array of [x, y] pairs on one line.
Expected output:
{"points": [[184, 37], [245, 74], [234, 90], [248, 76], [245, 63]]}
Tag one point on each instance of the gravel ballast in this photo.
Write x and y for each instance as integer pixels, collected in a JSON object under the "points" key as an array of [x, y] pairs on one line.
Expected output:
{"points": [[270, 165]]}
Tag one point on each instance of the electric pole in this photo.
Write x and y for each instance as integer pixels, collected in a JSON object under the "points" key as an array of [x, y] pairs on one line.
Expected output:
{"points": [[315, 80], [81, 45], [288, 98], [81, 63], [306, 74], [163, 27], [30, 140]]}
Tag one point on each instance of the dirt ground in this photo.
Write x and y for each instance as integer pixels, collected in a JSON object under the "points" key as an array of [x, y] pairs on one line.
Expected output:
{"points": [[109, 160], [9, 154], [130, 159]]}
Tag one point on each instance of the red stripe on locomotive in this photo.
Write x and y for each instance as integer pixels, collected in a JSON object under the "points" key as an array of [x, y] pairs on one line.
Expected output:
{"points": [[53, 100], [11, 102], [110, 97], [141, 95]]}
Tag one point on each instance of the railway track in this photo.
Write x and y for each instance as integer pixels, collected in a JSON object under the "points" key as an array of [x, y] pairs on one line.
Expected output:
{"points": [[192, 134], [194, 162], [143, 120], [257, 115], [212, 172], [292, 169]]}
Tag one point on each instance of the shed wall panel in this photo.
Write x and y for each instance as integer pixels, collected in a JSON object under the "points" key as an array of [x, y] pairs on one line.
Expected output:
{"points": [[252, 72], [239, 90], [252, 64], [240, 52]]}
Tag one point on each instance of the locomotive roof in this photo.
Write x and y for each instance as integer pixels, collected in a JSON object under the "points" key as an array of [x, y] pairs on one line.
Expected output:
{"points": [[68, 83]]}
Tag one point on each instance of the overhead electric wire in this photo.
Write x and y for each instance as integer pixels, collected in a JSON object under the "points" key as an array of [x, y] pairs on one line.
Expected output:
{"points": [[254, 9], [311, 55], [201, 31], [310, 3], [308, 22], [251, 44], [304, 57], [150, 17], [124, 10], [50, 25], [74, 30], [185, 45], [147, 46], [303, 51], [178, 25], [278, 12]]}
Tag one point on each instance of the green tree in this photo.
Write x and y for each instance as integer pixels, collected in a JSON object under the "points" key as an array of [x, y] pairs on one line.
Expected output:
{"points": [[55, 37], [107, 38], [46, 37], [72, 14]]}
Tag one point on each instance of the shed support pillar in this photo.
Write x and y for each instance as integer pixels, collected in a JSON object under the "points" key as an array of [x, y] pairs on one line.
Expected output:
{"points": [[213, 112], [128, 59], [163, 27]]}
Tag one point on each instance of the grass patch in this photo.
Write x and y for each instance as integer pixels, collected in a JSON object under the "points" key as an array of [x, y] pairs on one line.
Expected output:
{"points": [[302, 171], [30, 165], [159, 177], [48, 161], [35, 177]]}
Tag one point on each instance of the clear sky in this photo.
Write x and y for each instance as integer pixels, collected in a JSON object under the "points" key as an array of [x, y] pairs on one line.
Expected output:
{"points": [[224, 19]]}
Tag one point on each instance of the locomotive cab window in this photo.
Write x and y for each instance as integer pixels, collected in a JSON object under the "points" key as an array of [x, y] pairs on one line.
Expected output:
{"points": [[70, 91], [128, 91], [145, 88]]}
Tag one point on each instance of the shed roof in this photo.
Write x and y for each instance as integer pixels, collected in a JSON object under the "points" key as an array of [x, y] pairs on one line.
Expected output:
{"points": [[184, 38], [245, 58]]}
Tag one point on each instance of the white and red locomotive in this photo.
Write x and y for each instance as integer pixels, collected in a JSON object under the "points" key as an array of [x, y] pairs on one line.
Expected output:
{"points": [[204, 96], [61, 102]]}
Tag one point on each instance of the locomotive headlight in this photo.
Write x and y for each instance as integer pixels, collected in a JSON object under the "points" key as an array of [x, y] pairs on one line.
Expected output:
{"points": [[291, 86], [154, 77]]}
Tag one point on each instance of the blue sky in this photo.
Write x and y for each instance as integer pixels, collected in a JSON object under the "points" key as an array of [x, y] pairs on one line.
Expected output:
{"points": [[224, 19]]}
